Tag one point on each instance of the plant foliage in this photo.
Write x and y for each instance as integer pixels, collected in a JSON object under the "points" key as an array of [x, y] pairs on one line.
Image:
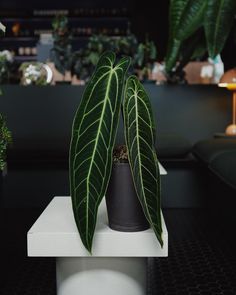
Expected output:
{"points": [[188, 19], [218, 22], [5, 140], [61, 53], [93, 137], [140, 140]]}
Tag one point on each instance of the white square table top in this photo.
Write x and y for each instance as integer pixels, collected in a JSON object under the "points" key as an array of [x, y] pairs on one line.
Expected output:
{"points": [[54, 234]]}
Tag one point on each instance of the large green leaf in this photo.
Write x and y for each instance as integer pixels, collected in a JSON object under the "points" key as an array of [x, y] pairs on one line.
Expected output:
{"points": [[140, 141], [185, 16], [218, 22], [93, 135]]}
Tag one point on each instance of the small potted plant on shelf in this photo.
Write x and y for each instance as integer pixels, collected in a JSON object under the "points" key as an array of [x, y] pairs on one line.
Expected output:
{"points": [[61, 53], [92, 143], [145, 58], [6, 61]]}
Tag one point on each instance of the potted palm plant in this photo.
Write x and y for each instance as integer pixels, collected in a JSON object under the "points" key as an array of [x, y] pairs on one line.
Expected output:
{"points": [[92, 143]]}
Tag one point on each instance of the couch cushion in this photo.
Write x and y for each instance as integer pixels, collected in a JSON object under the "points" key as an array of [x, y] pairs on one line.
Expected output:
{"points": [[224, 166], [172, 146], [207, 150]]}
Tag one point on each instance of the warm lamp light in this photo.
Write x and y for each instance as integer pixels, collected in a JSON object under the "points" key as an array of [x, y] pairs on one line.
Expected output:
{"points": [[228, 80]]}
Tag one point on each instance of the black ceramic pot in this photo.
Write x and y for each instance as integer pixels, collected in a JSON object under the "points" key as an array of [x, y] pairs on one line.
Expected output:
{"points": [[123, 207]]}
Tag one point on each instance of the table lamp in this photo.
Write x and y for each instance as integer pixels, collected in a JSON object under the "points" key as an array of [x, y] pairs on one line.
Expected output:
{"points": [[228, 80]]}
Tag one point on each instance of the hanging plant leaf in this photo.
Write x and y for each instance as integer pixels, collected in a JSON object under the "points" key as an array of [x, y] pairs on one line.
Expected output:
{"points": [[140, 141], [218, 22], [186, 16], [93, 135]]}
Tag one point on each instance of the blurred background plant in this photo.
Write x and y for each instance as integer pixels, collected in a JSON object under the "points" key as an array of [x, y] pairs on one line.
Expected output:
{"points": [[5, 140], [196, 28], [61, 53], [33, 73], [6, 63], [5, 134], [85, 60], [144, 59], [144, 54]]}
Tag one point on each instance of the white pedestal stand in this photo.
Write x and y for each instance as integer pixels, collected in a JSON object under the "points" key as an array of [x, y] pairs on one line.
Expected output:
{"points": [[118, 264], [116, 276]]}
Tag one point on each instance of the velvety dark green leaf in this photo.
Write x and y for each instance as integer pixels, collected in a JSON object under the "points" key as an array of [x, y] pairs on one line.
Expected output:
{"points": [[191, 19], [92, 142], [172, 55], [186, 16], [218, 22], [140, 141]]}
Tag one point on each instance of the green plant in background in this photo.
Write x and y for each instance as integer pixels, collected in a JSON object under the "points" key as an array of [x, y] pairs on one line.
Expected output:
{"points": [[61, 53], [196, 27], [5, 134], [85, 60], [92, 143], [5, 140], [145, 57], [6, 60]]}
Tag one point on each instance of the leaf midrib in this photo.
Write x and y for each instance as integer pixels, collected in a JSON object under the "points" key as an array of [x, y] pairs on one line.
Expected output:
{"points": [[106, 98], [139, 154]]}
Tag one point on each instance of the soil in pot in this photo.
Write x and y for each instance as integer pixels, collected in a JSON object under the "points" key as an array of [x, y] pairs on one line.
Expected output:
{"points": [[124, 209]]}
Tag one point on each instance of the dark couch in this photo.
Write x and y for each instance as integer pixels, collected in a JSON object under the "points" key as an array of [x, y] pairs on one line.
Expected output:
{"points": [[218, 159], [219, 155]]}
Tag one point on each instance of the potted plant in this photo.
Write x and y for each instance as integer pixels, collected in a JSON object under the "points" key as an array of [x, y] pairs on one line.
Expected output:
{"points": [[145, 58], [6, 61], [196, 28], [33, 73], [124, 209], [92, 143], [61, 53]]}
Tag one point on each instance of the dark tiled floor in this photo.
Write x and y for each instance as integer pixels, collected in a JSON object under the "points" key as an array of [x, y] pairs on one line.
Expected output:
{"points": [[201, 257]]}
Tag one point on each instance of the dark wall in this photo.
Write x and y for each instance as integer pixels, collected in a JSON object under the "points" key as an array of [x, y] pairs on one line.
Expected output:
{"points": [[41, 117]]}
